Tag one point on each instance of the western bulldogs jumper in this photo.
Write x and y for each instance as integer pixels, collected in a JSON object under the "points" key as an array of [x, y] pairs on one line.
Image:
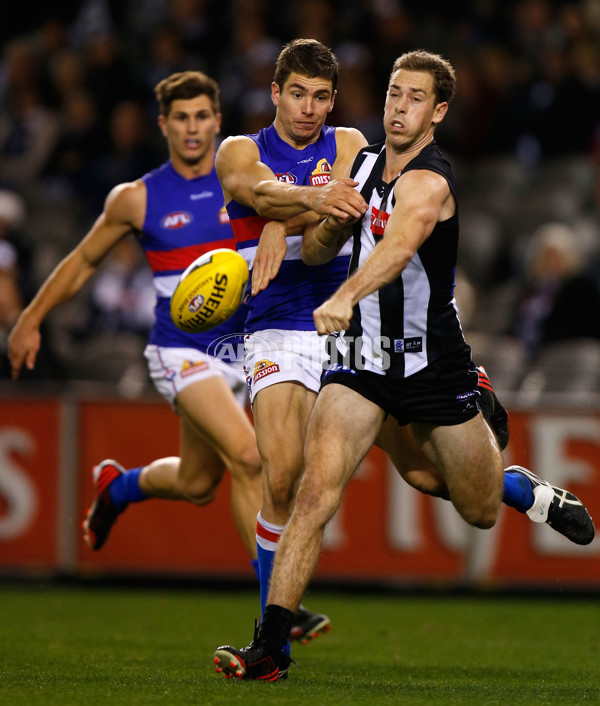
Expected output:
{"points": [[298, 289], [185, 218]]}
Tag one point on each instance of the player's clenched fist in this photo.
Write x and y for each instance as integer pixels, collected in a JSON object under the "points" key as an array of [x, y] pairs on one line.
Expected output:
{"points": [[333, 315]]}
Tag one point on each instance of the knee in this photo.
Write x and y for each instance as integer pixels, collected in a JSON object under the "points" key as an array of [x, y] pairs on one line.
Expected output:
{"points": [[245, 464], [280, 492], [198, 491], [316, 505], [483, 516]]}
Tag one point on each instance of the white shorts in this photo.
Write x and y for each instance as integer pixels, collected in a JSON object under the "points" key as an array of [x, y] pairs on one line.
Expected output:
{"points": [[276, 355], [173, 369]]}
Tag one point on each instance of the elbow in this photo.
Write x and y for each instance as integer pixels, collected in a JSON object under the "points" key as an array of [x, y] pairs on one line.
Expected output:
{"points": [[260, 200], [308, 257]]}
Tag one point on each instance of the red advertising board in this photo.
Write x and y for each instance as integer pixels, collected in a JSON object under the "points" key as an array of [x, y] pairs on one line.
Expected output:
{"points": [[156, 534], [384, 530], [29, 483]]}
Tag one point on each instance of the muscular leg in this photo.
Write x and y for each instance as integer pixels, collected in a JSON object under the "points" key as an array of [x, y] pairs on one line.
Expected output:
{"points": [[215, 434], [281, 415], [469, 461], [411, 463], [341, 430]]}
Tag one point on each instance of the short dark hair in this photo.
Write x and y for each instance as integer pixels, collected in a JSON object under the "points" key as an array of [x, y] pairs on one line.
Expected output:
{"points": [[444, 77], [186, 85], [309, 58]]}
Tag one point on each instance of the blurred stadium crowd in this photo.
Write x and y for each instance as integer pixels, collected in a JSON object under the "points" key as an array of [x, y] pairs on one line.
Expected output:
{"points": [[78, 115]]}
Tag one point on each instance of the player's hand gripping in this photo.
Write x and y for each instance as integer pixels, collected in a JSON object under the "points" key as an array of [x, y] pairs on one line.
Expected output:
{"points": [[339, 199], [334, 314]]}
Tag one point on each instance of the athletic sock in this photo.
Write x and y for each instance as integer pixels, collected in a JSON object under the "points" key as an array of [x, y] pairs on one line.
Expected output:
{"points": [[274, 628], [125, 488], [518, 492], [254, 563], [267, 536]]}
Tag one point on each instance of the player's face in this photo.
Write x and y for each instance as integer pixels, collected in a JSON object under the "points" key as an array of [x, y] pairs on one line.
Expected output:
{"points": [[302, 107], [190, 129], [411, 111]]}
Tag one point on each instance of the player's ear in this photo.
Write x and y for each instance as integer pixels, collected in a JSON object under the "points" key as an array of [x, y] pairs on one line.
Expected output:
{"points": [[275, 93], [439, 113], [162, 124], [219, 120], [333, 95]]}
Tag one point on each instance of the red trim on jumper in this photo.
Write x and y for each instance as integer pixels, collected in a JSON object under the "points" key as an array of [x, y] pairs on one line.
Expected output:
{"points": [[248, 227], [180, 258]]}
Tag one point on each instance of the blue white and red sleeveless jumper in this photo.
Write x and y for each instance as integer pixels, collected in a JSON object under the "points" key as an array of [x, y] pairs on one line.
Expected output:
{"points": [[185, 218], [298, 289]]}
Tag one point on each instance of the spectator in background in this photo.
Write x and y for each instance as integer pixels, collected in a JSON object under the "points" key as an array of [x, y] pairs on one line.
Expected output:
{"points": [[356, 93], [560, 300], [28, 128], [16, 285], [131, 151], [12, 211]]}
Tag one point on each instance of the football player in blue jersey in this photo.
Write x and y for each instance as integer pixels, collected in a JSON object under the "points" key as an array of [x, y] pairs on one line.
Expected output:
{"points": [[192, 380], [271, 180]]}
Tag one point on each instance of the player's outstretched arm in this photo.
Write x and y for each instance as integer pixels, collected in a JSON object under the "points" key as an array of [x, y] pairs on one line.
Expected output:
{"points": [[120, 215], [250, 182], [422, 198]]}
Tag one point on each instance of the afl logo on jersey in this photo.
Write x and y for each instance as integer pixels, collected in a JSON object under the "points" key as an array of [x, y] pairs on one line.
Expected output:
{"points": [[288, 178], [321, 174], [175, 220]]}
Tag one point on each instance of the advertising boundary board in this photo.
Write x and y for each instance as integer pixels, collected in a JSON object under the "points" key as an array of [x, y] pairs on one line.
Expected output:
{"points": [[384, 531]]}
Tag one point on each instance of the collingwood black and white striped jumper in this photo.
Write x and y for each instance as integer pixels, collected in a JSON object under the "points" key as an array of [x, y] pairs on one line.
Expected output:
{"points": [[410, 322]]}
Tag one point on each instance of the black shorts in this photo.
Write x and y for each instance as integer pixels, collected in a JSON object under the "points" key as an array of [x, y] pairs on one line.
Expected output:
{"points": [[444, 393]]}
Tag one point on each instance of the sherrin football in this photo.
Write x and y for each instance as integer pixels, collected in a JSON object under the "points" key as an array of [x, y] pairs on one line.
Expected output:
{"points": [[209, 291]]}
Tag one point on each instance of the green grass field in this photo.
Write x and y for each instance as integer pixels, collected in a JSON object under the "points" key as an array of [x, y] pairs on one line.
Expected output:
{"points": [[70, 645]]}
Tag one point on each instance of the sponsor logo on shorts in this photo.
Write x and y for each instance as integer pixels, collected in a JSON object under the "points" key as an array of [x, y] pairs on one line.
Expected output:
{"points": [[191, 367], [196, 303], [321, 173], [264, 368], [468, 400], [338, 368], [177, 219], [170, 374]]}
